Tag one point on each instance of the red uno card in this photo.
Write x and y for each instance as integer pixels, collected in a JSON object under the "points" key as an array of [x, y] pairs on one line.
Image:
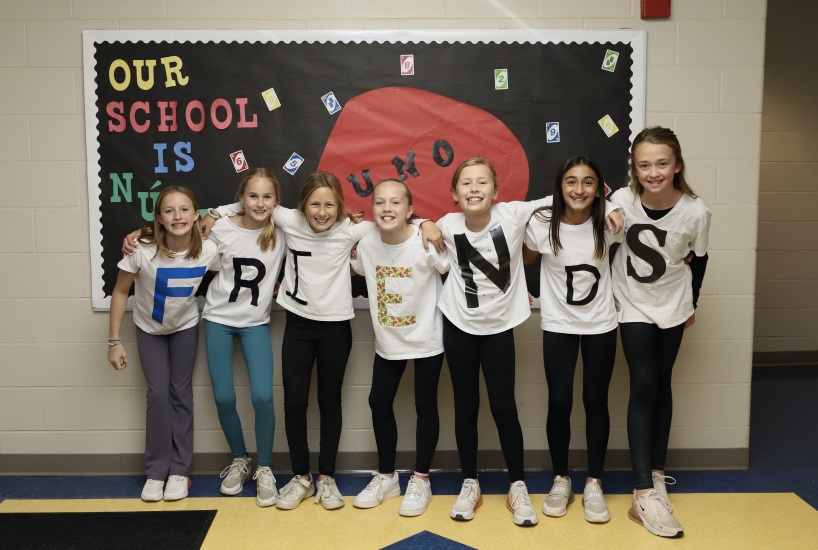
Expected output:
{"points": [[239, 162]]}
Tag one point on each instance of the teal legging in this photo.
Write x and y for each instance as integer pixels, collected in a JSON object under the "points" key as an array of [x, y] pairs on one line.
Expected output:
{"points": [[258, 354]]}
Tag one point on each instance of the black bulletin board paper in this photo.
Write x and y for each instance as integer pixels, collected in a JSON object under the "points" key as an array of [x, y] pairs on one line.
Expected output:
{"points": [[196, 108]]}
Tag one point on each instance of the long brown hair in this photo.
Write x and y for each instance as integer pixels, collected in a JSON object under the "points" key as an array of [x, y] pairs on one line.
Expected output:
{"points": [[556, 212], [316, 181], [267, 239], [155, 233], [658, 135]]}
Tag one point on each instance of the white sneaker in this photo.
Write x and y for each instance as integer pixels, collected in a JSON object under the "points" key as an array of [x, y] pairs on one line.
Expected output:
{"points": [[467, 501], [519, 504], [417, 498], [327, 493], [153, 491], [379, 489], [559, 497], [266, 491], [176, 487], [660, 483], [596, 509], [649, 511], [296, 490], [235, 475]]}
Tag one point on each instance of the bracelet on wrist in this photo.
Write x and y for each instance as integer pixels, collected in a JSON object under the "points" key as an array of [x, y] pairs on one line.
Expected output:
{"points": [[114, 343], [114, 339]]}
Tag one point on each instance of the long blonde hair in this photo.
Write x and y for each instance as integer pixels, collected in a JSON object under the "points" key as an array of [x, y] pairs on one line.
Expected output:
{"points": [[155, 233], [658, 135], [267, 239]]}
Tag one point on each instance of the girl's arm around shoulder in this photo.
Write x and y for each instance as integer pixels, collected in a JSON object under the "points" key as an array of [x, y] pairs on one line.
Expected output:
{"points": [[437, 260]]}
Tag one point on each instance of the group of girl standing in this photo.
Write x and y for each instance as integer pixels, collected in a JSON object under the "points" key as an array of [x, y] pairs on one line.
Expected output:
{"points": [[651, 293]]}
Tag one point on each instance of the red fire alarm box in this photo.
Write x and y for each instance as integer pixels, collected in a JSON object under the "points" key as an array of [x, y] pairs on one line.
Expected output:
{"points": [[655, 9]]}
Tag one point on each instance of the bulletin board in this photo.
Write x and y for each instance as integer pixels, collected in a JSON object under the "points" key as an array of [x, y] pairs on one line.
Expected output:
{"points": [[197, 108]]}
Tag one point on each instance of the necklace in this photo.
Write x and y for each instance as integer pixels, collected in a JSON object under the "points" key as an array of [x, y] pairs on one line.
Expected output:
{"points": [[241, 221]]}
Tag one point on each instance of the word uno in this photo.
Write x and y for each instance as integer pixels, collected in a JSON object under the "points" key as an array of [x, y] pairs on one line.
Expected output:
{"points": [[404, 168], [139, 115], [173, 73]]}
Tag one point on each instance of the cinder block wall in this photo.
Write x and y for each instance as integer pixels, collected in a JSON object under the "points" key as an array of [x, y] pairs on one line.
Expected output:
{"points": [[62, 408]]}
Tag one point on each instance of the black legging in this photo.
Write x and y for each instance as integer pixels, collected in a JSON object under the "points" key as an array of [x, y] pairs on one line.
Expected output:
{"points": [[386, 377], [650, 352], [328, 344], [466, 354], [560, 360]]}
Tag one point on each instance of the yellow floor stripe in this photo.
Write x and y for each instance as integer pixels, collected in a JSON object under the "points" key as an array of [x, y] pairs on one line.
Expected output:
{"points": [[746, 521]]}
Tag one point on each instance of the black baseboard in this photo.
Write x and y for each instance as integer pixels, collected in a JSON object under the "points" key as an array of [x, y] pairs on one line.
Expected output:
{"points": [[785, 358], [213, 463]]}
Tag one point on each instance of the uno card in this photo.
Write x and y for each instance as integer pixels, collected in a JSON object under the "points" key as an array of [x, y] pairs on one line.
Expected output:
{"points": [[331, 103], [609, 63], [607, 125], [407, 65], [271, 99], [239, 162], [501, 79], [293, 163], [552, 132]]}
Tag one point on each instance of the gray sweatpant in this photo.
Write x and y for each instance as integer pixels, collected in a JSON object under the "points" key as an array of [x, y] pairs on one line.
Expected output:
{"points": [[167, 361]]}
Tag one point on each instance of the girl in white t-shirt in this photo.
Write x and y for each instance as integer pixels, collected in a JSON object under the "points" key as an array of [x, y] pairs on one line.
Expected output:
{"points": [[403, 284], [578, 312], [483, 299], [317, 294], [657, 276], [166, 271], [238, 305]]}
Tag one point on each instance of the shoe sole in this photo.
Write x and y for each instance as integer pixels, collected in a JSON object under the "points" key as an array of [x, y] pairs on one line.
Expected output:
{"points": [[635, 517], [394, 492], [592, 517], [466, 516], [232, 491], [412, 513], [557, 512], [266, 503], [335, 506], [284, 505], [151, 498], [522, 522]]}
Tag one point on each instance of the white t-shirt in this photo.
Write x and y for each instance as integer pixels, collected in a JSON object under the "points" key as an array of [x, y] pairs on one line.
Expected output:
{"points": [[403, 283], [576, 295], [652, 284], [317, 283], [165, 288], [485, 292], [242, 292]]}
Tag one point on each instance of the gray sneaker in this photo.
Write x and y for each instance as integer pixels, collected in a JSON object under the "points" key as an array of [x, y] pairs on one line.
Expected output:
{"points": [[298, 489], [235, 475], [593, 500], [266, 491], [328, 495], [559, 497]]}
